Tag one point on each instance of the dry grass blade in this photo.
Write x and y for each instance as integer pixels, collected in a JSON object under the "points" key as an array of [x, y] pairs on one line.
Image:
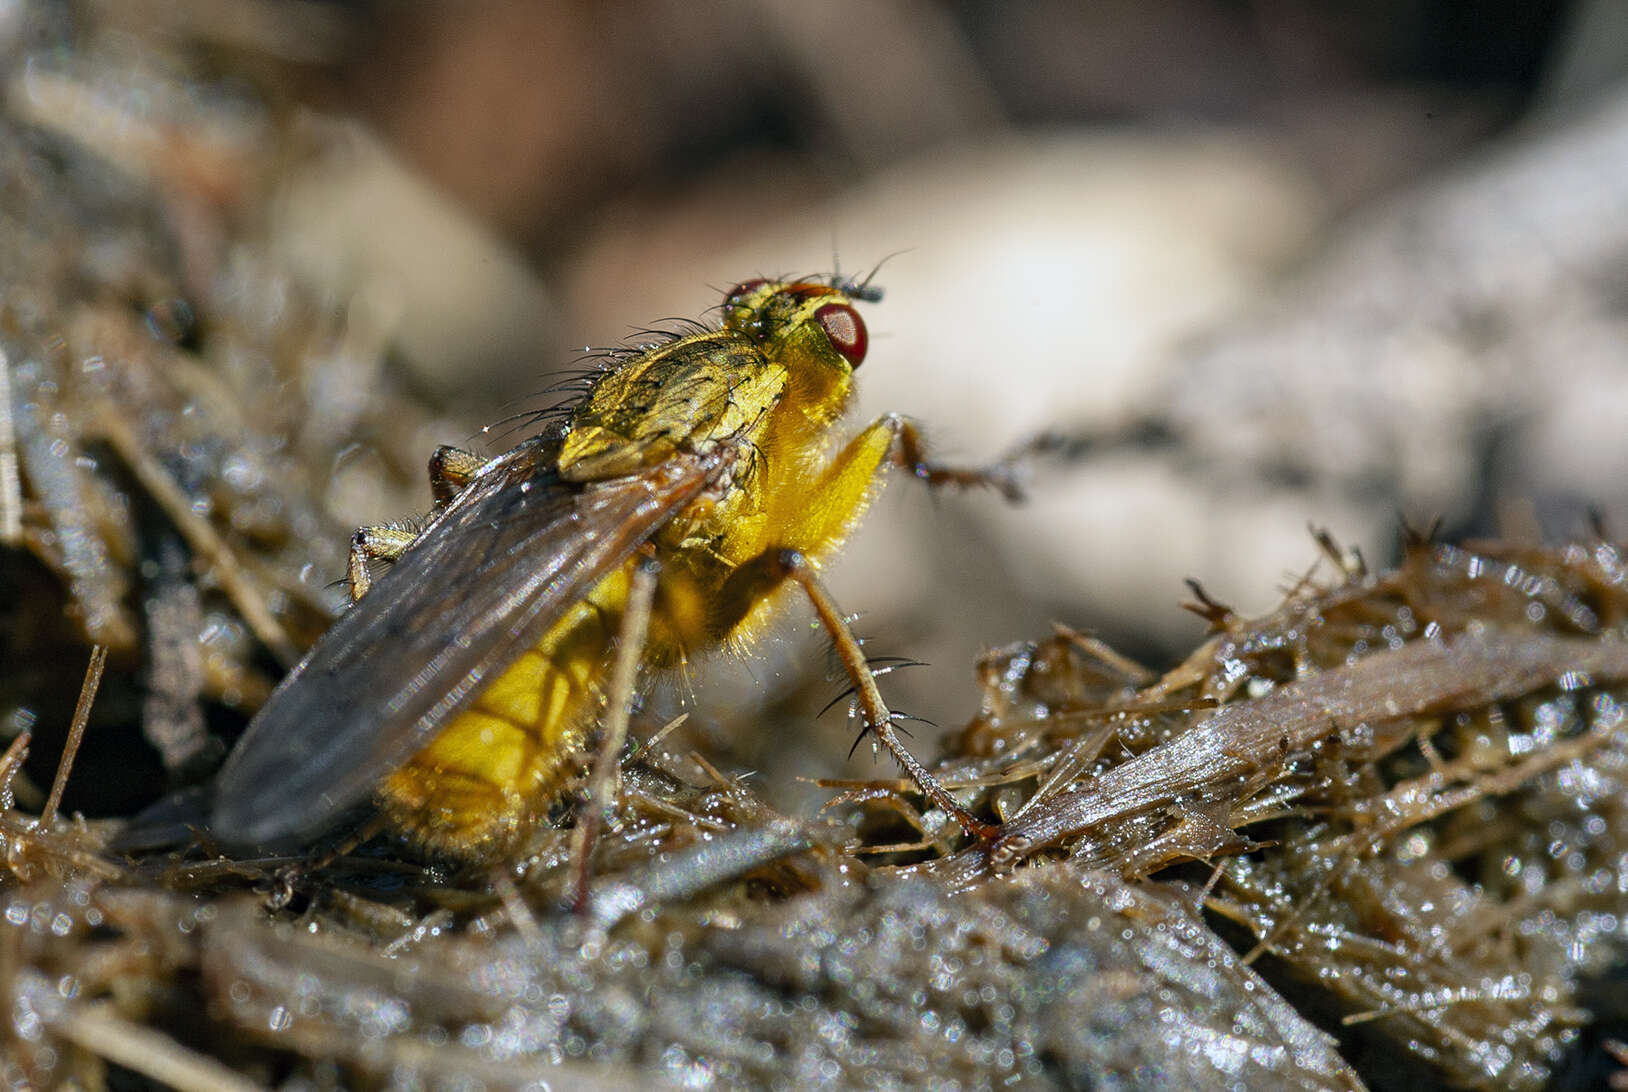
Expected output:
{"points": [[76, 734], [200, 536], [11, 763], [1244, 738], [101, 1031], [11, 490]]}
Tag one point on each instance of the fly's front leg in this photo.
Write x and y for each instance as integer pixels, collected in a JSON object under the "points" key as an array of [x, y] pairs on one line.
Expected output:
{"points": [[910, 452]]}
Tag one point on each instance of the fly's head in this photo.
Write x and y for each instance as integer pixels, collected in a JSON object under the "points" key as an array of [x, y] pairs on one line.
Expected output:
{"points": [[802, 323]]}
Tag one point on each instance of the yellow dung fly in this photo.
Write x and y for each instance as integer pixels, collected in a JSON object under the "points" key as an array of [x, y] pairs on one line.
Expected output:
{"points": [[457, 693]]}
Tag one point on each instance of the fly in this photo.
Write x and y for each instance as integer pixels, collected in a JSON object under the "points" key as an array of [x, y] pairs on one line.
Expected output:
{"points": [[459, 691]]}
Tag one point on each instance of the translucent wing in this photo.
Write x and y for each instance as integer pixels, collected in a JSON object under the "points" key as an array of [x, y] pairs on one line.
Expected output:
{"points": [[490, 573]]}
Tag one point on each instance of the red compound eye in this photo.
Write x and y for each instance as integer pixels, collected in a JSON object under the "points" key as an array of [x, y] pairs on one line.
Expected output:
{"points": [[846, 330], [742, 290]]}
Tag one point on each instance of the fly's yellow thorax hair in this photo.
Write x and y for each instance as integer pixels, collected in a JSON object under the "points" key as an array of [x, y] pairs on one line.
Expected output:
{"points": [[719, 583], [691, 394]]}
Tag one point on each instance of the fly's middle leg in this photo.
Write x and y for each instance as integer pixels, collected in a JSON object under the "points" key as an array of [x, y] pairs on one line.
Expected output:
{"points": [[878, 718], [369, 544], [841, 492]]}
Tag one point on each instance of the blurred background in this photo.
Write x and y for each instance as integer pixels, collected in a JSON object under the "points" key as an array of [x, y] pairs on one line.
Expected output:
{"points": [[1262, 265]]}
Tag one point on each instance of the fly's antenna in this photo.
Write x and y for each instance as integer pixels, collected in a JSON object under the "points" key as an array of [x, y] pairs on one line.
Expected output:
{"points": [[864, 290]]}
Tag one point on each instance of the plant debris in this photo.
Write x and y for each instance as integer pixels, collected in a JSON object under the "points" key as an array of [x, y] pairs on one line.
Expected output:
{"points": [[1411, 793]]}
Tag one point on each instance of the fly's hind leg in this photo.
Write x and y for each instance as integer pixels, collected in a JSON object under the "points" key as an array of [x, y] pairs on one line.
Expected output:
{"points": [[451, 469], [600, 804]]}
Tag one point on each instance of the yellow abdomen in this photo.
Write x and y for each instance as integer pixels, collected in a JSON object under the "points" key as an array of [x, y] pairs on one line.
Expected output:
{"points": [[488, 778]]}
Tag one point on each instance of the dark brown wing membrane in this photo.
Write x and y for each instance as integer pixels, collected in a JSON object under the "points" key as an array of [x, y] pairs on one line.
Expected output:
{"points": [[483, 582]]}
